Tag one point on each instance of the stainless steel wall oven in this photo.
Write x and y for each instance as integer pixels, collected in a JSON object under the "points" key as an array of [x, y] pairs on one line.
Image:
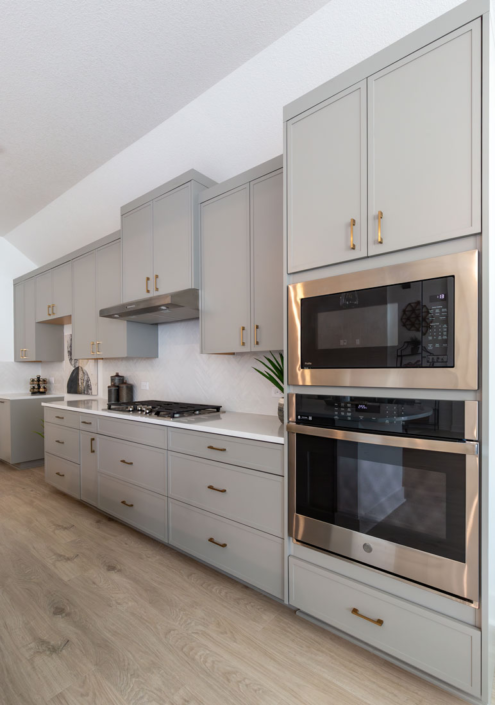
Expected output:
{"points": [[391, 483], [412, 325]]}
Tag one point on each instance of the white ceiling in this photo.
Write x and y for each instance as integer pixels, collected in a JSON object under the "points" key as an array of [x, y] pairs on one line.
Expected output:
{"points": [[80, 80]]}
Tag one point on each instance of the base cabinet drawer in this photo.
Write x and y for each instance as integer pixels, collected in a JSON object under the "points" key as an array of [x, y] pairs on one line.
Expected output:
{"points": [[143, 509], [63, 475], [246, 553], [246, 496], [132, 462], [62, 441], [62, 417], [144, 432], [257, 455], [438, 645]]}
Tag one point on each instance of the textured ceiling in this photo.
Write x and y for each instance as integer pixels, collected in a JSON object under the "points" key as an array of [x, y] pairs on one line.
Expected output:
{"points": [[80, 80]]}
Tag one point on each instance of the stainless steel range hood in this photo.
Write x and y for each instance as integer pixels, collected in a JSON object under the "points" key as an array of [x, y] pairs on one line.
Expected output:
{"points": [[165, 308]]}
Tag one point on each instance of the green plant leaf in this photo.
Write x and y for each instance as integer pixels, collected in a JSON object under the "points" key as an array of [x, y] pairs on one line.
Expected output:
{"points": [[273, 369], [271, 379]]}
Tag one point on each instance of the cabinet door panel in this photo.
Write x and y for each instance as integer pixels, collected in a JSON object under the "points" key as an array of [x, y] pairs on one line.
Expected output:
{"points": [[44, 296], [226, 273], [424, 144], [267, 262], [326, 181], [29, 320], [137, 253], [19, 331], [84, 307], [172, 240], [62, 290], [112, 335], [89, 468]]}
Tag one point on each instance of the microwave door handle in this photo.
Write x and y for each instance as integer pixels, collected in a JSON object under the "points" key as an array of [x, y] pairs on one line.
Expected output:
{"points": [[460, 448]]}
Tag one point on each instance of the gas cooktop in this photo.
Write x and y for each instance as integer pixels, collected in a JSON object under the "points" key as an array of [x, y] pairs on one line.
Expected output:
{"points": [[167, 409]]}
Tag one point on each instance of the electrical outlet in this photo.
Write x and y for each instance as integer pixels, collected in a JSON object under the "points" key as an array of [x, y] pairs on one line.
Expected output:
{"points": [[145, 385], [276, 393]]}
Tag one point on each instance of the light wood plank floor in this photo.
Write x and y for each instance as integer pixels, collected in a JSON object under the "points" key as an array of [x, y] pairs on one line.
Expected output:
{"points": [[94, 613]]}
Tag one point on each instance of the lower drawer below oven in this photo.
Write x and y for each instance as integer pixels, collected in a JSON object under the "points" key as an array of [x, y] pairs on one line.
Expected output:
{"points": [[444, 648]]}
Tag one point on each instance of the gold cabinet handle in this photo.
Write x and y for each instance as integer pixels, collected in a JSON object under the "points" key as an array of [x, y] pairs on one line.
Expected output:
{"points": [[126, 462], [214, 448], [53, 309], [353, 223], [61, 442], [147, 287], [98, 351], [25, 353], [48, 310], [92, 345], [356, 613], [222, 545], [256, 329], [126, 504], [60, 474], [243, 328], [22, 356], [156, 283], [210, 487], [59, 417], [86, 423], [380, 216], [91, 448]]}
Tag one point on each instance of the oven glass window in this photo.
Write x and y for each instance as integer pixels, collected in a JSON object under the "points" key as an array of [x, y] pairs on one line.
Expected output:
{"points": [[410, 497], [404, 325]]}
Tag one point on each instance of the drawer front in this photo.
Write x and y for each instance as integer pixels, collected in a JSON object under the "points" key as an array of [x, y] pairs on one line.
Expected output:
{"points": [[63, 475], [88, 423], [62, 417], [145, 510], [139, 432], [247, 496], [267, 457], [62, 441], [141, 465], [250, 555], [438, 645]]}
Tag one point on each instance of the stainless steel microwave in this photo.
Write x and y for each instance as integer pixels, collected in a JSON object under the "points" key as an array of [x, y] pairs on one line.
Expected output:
{"points": [[412, 325]]}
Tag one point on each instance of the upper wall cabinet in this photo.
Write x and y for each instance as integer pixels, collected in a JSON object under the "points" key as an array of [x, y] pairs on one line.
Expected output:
{"points": [[54, 294], [242, 262], [326, 160], [160, 236], [34, 341], [421, 141], [424, 145], [97, 284]]}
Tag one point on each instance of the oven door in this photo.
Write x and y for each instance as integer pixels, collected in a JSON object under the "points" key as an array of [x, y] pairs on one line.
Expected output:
{"points": [[407, 506]]}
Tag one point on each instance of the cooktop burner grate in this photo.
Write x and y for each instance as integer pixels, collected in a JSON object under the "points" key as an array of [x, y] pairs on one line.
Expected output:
{"points": [[170, 409]]}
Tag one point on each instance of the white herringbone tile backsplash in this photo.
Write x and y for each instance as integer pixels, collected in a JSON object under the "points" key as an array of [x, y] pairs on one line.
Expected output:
{"points": [[15, 376]]}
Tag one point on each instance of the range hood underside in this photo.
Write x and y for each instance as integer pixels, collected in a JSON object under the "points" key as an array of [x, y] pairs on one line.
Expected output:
{"points": [[165, 308]]}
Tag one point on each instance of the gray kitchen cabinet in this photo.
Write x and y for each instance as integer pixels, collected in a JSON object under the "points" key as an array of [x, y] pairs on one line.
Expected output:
{"points": [[96, 285], [54, 295], [267, 269], [242, 262], [20, 421], [326, 182], [225, 300], [89, 468], [424, 144], [34, 341], [160, 238]]}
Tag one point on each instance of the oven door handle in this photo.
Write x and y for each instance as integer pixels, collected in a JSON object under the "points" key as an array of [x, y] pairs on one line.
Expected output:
{"points": [[460, 448]]}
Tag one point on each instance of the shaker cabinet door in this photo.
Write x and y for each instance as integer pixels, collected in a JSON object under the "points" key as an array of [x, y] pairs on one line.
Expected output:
{"points": [[84, 307], [267, 262], [225, 312], [89, 468], [44, 296], [137, 253], [172, 240], [326, 182], [112, 334], [424, 145], [62, 291], [19, 335], [30, 351]]}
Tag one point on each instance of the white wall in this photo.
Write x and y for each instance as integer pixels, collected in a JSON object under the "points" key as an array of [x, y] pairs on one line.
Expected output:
{"points": [[233, 126]]}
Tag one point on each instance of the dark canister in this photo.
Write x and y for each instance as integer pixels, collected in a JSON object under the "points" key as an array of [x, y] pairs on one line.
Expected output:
{"points": [[126, 392], [113, 393], [117, 379]]}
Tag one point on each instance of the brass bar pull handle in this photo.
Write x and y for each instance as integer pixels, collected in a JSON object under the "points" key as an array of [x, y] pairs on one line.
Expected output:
{"points": [[380, 216], [60, 474], [378, 622], [91, 448], [210, 487], [353, 223], [92, 345], [156, 283], [147, 287], [214, 448], [86, 423], [61, 442], [59, 417], [126, 504], [53, 309], [98, 351], [222, 545], [48, 309], [126, 462], [256, 329], [25, 353], [243, 328]]}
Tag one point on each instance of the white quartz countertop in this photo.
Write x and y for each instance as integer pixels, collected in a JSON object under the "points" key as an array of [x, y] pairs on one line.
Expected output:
{"points": [[10, 396], [256, 427]]}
